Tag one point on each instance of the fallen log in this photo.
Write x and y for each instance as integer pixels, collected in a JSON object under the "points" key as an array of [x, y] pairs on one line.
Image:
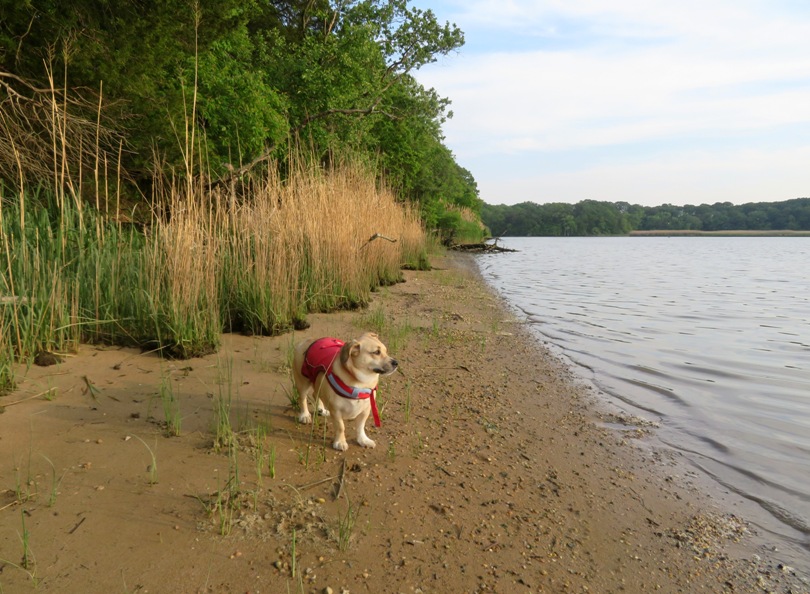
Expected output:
{"points": [[480, 248]]}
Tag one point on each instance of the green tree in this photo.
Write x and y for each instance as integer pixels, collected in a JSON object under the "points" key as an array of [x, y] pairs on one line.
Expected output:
{"points": [[249, 76], [591, 217]]}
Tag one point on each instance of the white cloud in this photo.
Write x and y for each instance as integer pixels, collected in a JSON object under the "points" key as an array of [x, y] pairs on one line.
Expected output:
{"points": [[696, 177], [566, 98], [630, 71]]}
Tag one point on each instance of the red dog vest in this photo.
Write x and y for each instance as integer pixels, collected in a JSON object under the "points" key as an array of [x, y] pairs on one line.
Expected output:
{"points": [[320, 357]]}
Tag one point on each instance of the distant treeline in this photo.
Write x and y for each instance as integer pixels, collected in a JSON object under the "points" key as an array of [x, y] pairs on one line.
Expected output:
{"points": [[592, 217]]}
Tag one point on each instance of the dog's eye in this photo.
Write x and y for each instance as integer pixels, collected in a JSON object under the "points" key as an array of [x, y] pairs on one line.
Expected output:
{"points": [[377, 352]]}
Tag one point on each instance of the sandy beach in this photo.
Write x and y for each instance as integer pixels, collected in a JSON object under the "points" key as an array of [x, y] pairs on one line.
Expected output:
{"points": [[495, 470]]}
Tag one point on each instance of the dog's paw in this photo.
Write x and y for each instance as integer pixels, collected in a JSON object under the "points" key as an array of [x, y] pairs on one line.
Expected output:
{"points": [[305, 418], [367, 443], [340, 446], [323, 412]]}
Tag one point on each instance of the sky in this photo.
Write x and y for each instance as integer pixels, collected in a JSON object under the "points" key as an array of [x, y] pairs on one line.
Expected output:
{"points": [[644, 101]]}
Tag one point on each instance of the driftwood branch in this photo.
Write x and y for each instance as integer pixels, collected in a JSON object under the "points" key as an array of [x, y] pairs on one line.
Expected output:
{"points": [[341, 479], [316, 483], [376, 236], [45, 393], [483, 247]]}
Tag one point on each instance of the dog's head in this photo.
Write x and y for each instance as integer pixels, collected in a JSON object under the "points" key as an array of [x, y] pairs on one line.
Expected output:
{"points": [[367, 357]]}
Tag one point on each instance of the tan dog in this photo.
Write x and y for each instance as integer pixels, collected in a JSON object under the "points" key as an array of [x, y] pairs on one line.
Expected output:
{"points": [[343, 377]]}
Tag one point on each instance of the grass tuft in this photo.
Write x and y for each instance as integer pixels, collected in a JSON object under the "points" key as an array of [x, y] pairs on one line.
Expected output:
{"points": [[171, 407], [346, 523]]}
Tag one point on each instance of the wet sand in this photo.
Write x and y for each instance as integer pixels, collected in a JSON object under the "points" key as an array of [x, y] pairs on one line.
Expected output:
{"points": [[495, 471]]}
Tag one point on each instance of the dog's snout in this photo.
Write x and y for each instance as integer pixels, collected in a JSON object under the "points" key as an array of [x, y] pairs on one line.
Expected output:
{"points": [[388, 367]]}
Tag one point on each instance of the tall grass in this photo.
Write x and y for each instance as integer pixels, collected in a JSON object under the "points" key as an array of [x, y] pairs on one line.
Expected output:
{"points": [[291, 247], [303, 245], [6, 354], [69, 276], [181, 266], [205, 259]]}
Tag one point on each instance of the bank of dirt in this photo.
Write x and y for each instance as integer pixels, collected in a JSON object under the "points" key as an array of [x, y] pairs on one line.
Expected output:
{"points": [[494, 471]]}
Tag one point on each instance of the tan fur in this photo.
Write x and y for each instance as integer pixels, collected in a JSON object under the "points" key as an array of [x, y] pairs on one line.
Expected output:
{"points": [[360, 364]]}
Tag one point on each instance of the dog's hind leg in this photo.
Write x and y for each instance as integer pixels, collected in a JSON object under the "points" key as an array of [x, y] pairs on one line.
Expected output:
{"points": [[304, 388], [322, 410], [320, 385]]}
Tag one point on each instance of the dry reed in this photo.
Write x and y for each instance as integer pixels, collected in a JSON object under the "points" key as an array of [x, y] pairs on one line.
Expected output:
{"points": [[303, 245], [208, 259]]}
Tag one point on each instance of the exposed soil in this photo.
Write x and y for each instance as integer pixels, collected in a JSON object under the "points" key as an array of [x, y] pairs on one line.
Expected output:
{"points": [[494, 471]]}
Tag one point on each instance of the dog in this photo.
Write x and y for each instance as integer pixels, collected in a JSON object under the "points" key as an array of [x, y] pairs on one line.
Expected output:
{"points": [[343, 378]]}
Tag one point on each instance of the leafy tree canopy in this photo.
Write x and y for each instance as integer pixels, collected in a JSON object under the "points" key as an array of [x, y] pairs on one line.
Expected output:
{"points": [[250, 76]]}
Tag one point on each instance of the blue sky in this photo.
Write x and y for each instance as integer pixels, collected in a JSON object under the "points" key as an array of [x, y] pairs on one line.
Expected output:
{"points": [[644, 101]]}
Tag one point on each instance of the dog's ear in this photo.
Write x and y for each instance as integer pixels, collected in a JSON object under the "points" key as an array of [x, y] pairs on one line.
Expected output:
{"points": [[350, 348]]}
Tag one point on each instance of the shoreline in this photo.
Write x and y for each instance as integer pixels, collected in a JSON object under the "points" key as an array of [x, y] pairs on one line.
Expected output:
{"points": [[495, 470], [774, 527], [730, 233]]}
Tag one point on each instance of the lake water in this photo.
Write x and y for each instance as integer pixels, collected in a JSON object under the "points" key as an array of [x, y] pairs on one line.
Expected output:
{"points": [[708, 336]]}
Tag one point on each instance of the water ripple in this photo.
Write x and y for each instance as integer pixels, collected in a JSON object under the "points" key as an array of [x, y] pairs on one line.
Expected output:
{"points": [[709, 335]]}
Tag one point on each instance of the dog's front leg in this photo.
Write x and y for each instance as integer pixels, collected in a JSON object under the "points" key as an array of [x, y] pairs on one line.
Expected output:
{"points": [[363, 439], [340, 443]]}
